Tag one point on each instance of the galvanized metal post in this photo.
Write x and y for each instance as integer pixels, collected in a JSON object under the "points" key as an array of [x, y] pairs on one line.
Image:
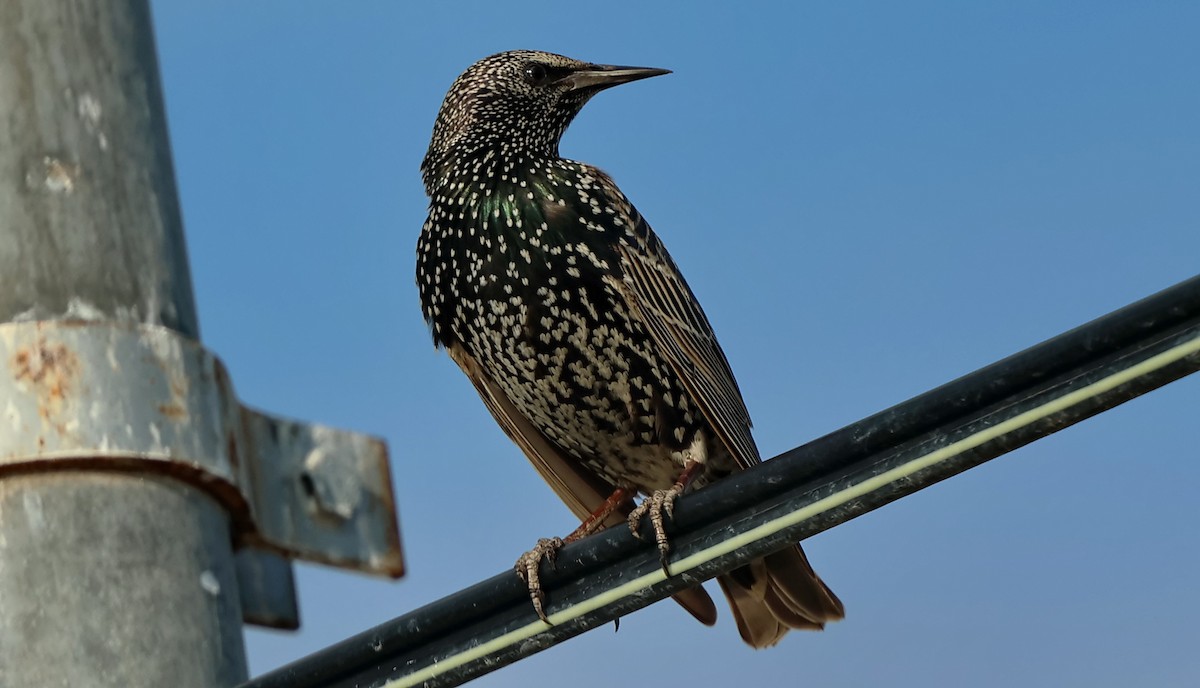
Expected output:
{"points": [[107, 578]]}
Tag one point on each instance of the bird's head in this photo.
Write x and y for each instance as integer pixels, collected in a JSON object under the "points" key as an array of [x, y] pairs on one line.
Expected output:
{"points": [[517, 102]]}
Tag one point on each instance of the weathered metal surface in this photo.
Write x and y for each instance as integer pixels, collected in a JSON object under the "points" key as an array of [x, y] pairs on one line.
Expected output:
{"points": [[322, 494], [91, 223], [107, 579], [102, 394], [268, 589], [115, 580], [125, 479], [308, 491]]}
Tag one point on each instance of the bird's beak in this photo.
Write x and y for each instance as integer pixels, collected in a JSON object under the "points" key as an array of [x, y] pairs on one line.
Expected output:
{"points": [[599, 77]]}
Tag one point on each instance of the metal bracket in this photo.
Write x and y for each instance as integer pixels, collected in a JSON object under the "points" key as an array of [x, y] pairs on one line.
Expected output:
{"points": [[106, 396], [267, 589]]}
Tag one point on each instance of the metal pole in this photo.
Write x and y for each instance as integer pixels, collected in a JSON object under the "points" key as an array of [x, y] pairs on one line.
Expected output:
{"points": [[107, 578]]}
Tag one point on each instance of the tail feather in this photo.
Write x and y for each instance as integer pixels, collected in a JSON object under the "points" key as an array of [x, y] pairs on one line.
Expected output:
{"points": [[697, 603], [755, 622], [777, 593], [800, 586], [785, 612]]}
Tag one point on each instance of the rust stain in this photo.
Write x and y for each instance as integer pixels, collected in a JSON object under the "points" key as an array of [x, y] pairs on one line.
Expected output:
{"points": [[173, 411], [50, 368], [176, 409], [59, 176]]}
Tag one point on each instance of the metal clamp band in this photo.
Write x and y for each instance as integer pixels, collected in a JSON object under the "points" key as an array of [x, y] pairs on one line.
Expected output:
{"points": [[104, 396]]}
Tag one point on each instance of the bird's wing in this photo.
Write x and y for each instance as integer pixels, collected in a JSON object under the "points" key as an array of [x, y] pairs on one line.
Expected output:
{"points": [[580, 489], [656, 290]]}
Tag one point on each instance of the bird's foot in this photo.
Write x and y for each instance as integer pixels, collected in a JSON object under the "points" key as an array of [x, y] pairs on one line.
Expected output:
{"points": [[659, 502], [528, 568]]}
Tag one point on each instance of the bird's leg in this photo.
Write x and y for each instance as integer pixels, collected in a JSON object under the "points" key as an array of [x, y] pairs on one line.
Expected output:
{"points": [[528, 565], [660, 502], [595, 520]]}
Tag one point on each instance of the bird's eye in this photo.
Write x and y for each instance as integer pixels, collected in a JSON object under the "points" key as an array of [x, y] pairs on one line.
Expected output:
{"points": [[535, 72]]}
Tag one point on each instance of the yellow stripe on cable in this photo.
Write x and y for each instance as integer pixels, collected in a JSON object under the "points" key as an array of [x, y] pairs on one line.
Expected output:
{"points": [[1176, 353]]}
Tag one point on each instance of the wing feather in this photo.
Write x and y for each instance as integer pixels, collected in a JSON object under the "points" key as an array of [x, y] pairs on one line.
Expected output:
{"points": [[654, 288]]}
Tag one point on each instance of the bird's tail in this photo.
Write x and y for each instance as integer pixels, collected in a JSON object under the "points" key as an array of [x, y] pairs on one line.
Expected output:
{"points": [[779, 592]]}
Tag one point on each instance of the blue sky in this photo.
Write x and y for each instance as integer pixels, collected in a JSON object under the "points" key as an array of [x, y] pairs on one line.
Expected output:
{"points": [[870, 199]]}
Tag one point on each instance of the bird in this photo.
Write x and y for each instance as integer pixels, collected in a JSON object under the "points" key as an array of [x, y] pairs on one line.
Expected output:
{"points": [[553, 295]]}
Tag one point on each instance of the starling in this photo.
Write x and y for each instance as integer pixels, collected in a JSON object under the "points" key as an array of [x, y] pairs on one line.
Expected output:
{"points": [[563, 307]]}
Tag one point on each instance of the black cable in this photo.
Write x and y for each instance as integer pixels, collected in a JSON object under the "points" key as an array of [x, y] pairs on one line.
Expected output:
{"points": [[802, 492]]}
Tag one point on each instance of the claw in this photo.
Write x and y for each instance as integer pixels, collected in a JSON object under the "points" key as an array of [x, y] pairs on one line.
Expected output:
{"points": [[528, 568], [655, 505]]}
